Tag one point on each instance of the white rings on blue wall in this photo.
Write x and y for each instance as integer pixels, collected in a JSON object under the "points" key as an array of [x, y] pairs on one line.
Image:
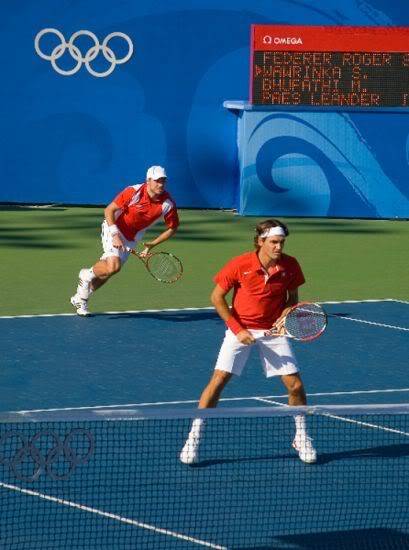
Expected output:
{"points": [[77, 55]]}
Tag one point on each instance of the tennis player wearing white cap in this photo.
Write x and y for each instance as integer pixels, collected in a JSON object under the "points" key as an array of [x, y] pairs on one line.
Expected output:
{"points": [[126, 218], [265, 285]]}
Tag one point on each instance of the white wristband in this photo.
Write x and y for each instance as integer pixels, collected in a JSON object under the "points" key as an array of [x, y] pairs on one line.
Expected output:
{"points": [[113, 229]]}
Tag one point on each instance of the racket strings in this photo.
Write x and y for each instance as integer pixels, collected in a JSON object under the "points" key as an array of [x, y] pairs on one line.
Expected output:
{"points": [[164, 267], [306, 321]]}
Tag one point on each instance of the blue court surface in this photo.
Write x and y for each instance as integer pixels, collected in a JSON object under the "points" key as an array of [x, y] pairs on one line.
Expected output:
{"points": [[165, 358], [124, 486]]}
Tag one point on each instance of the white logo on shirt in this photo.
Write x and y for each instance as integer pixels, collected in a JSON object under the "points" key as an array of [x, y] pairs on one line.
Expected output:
{"points": [[246, 272]]}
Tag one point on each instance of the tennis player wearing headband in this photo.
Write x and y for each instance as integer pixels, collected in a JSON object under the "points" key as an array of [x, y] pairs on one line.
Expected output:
{"points": [[265, 285], [126, 219]]}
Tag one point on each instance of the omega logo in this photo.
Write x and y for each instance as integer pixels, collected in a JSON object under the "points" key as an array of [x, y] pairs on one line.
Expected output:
{"points": [[267, 39]]}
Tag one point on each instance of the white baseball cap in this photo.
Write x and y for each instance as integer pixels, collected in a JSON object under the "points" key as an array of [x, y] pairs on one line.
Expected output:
{"points": [[155, 173]]}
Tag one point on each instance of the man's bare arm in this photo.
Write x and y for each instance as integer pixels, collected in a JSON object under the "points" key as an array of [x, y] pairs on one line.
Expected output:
{"points": [[167, 234], [218, 299], [109, 214]]}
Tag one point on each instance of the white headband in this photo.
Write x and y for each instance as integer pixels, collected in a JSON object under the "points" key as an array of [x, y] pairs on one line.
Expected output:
{"points": [[273, 231]]}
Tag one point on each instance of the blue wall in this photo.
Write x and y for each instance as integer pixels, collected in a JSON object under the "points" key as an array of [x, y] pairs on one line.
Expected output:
{"points": [[310, 163], [79, 139]]}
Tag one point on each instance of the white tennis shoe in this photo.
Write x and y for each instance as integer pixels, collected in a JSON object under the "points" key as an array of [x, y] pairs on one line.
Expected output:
{"points": [[305, 449], [190, 452], [80, 305]]}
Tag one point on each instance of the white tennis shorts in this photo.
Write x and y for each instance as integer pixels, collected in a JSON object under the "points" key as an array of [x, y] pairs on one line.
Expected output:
{"points": [[276, 355], [110, 250]]}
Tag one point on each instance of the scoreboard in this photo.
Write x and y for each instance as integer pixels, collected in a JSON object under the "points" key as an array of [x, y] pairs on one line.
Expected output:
{"points": [[329, 66]]}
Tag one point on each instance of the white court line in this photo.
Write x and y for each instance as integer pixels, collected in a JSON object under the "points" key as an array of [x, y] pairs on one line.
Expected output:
{"points": [[195, 401], [383, 325], [122, 519], [265, 400], [369, 301], [136, 311], [342, 418], [366, 424]]}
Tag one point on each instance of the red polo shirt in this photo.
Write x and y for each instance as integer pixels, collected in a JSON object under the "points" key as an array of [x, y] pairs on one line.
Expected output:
{"points": [[259, 297], [138, 211]]}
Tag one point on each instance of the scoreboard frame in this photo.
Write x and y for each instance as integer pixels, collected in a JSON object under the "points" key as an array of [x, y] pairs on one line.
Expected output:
{"points": [[329, 67]]}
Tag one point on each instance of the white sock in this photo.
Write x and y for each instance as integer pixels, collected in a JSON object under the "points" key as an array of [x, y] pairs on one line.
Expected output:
{"points": [[197, 428], [300, 425], [89, 275], [82, 292]]}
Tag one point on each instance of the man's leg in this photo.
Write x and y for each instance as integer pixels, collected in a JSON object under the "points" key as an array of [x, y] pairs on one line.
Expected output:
{"points": [[297, 398], [212, 392], [209, 399], [104, 270], [295, 388], [278, 360], [231, 360], [92, 279]]}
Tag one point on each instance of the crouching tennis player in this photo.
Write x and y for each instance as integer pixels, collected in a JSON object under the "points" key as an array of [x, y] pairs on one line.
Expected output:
{"points": [[126, 219], [265, 285]]}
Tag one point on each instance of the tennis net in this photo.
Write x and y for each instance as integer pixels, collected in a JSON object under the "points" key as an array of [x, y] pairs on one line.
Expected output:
{"points": [[112, 479]]}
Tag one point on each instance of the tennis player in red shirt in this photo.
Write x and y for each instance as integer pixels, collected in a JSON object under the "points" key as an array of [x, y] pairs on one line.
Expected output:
{"points": [[265, 285], [126, 219]]}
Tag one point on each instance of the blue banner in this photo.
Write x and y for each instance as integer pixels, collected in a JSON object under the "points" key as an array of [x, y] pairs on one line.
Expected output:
{"points": [[324, 164], [93, 93]]}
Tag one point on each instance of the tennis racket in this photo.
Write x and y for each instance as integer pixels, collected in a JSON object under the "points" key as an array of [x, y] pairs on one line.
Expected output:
{"points": [[163, 266], [305, 321]]}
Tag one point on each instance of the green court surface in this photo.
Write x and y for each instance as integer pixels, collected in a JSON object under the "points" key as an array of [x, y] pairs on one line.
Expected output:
{"points": [[44, 248]]}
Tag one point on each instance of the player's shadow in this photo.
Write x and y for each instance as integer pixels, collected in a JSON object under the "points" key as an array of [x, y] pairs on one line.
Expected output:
{"points": [[385, 451], [221, 461], [171, 316], [354, 539]]}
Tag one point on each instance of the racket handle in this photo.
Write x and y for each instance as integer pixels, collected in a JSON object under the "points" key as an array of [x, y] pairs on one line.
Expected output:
{"points": [[138, 254], [272, 332], [134, 252]]}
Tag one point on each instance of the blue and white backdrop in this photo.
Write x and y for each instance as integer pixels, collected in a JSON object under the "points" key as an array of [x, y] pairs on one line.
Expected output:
{"points": [[72, 135]]}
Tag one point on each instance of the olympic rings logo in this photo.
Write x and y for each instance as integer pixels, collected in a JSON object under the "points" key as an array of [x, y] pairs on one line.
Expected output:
{"points": [[46, 453], [76, 53]]}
